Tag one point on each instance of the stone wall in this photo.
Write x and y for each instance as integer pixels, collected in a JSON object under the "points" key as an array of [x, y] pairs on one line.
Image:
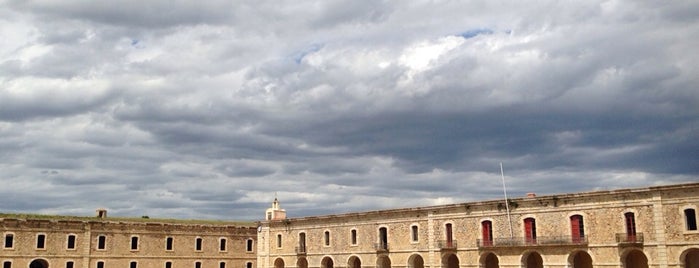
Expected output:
{"points": [[151, 245], [661, 233]]}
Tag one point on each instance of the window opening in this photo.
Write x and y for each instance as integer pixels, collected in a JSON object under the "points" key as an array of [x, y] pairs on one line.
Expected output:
{"points": [[7, 264], [168, 243], [449, 235], [100, 264], [197, 265], [248, 265], [327, 238], [249, 245], [353, 236], [134, 243], [630, 219], [133, 264], [101, 242], [168, 264], [71, 242], [222, 265], [41, 241], [197, 244], [383, 238], [302, 242], [279, 240], [9, 240], [577, 228], [530, 230], [69, 264], [222, 244], [487, 235], [414, 232], [690, 217]]}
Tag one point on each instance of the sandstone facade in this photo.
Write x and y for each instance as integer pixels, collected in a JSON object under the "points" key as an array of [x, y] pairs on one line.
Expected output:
{"points": [[631, 228], [72, 242]]}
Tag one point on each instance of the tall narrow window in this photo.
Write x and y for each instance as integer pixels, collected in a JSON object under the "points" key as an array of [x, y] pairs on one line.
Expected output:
{"points": [[222, 244], [530, 230], [70, 244], [383, 238], [7, 264], [197, 264], [353, 236], [414, 233], [630, 219], [133, 264], [70, 264], [41, 241], [168, 264], [248, 247], [134, 243], [302, 243], [487, 233], [279, 240], [100, 264], [101, 242], [248, 265], [221, 265], [327, 238], [9, 240], [197, 244], [449, 235], [690, 217], [168, 243], [577, 228]]}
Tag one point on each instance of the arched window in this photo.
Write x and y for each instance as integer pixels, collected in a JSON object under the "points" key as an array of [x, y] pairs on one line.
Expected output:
{"points": [[197, 243], [248, 246], [222, 244], [487, 233], [279, 240], [690, 218], [577, 229], [326, 238], [630, 220], [530, 230], [168, 243], [383, 239], [9, 240]]}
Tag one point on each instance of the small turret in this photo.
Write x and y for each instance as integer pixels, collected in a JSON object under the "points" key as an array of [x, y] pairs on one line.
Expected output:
{"points": [[275, 212]]}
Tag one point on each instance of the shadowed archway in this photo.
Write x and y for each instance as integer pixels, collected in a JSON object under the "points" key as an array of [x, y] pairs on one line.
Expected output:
{"points": [[416, 261], [450, 261], [354, 262], [635, 259], [533, 260], [39, 263], [580, 259]]}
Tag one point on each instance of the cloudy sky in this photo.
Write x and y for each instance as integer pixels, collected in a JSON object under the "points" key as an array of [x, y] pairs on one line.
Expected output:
{"points": [[207, 109]]}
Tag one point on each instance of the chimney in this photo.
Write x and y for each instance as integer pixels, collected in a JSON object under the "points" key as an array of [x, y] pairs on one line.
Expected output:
{"points": [[101, 213]]}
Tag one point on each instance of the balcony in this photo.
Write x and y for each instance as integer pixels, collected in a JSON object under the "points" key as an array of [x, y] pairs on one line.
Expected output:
{"points": [[381, 247], [301, 250], [447, 244], [629, 239], [531, 242]]}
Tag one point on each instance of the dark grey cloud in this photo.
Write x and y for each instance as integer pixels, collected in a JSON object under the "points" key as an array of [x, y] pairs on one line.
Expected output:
{"points": [[207, 110]]}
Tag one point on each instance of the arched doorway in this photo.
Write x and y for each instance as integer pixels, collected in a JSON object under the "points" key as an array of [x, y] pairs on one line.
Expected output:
{"points": [[279, 263], [635, 259], [39, 263], [690, 258], [580, 259], [302, 262], [383, 262], [354, 262], [327, 262], [450, 261], [490, 260], [416, 261], [533, 260]]}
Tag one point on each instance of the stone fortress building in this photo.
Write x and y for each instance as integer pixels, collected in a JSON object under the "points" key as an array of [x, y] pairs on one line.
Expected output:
{"points": [[37, 241], [629, 228]]}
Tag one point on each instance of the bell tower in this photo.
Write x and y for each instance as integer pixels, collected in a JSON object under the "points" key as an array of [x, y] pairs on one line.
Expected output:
{"points": [[275, 212]]}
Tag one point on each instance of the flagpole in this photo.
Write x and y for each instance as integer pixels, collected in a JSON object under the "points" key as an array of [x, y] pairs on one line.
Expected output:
{"points": [[507, 206]]}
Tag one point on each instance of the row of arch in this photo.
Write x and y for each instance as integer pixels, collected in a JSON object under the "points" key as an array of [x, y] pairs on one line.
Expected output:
{"points": [[634, 258]]}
